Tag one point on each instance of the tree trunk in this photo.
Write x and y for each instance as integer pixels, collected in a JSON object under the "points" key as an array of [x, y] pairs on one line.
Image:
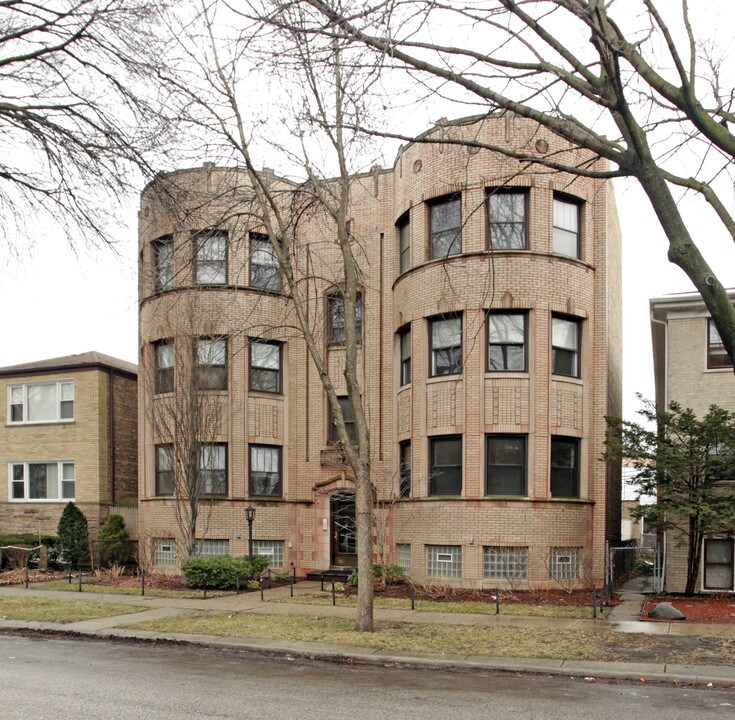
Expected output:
{"points": [[364, 519]]}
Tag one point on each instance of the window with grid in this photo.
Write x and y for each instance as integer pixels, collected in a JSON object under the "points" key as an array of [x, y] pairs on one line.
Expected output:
{"points": [[271, 549], [336, 333], [404, 243], [506, 342], [163, 259], [506, 211], [403, 557], [213, 548], [265, 366], [566, 227], [564, 563], [505, 563], [446, 345], [211, 363], [446, 226], [210, 257], [164, 350], [444, 561], [265, 272], [717, 356], [164, 551]]}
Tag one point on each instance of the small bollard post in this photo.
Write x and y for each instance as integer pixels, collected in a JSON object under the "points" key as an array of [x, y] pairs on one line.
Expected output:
{"points": [[69, 572], [334, 596], [80, 579], [142, 581], [497, 601], [594, 603], [205, 590], [237, 583], [26, 576], [262, 584], [322, 580], [292, 581], [413, 597]]}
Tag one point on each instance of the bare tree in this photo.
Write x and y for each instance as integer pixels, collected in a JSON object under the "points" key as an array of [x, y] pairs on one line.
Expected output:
{"points": [[79, 109], [651, 96], [185, 417], [326, 96]]}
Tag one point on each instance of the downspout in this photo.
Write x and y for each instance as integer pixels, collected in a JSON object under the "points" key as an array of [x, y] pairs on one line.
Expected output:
{"points": [[665, 324], [111, 432]]}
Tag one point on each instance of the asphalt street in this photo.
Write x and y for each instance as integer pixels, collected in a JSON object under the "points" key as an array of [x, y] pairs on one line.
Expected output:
{"points": [[49, 679]]}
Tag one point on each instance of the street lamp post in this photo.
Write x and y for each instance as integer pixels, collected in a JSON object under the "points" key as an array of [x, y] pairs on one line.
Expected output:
{"points": [[250, 516]]}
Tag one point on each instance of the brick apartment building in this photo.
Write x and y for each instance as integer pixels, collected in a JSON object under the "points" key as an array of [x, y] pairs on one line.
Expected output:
{"points": [[69, 432], [491, 352], [692, 368]]}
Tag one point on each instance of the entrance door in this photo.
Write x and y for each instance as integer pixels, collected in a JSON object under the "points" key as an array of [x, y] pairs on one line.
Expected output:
{"points": [[344, 531]]}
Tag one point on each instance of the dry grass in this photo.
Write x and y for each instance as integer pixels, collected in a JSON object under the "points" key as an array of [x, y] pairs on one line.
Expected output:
{"points": [[113, 589], [60, 611], [472, 608], [457, 640]]}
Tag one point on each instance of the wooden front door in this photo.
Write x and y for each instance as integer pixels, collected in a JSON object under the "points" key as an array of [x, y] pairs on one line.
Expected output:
{"points": [[344, 531]]}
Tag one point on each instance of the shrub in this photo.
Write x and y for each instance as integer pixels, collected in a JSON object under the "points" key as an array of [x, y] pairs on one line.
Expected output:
{"points": [[73, 537], [221, 572], [114, 545], [384, 574]]}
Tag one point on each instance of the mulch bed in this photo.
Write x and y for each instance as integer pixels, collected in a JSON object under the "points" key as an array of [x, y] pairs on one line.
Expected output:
{"points": [[703, 609]]}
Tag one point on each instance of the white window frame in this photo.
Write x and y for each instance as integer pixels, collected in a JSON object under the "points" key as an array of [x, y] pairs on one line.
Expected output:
{"points": [[274, 550], [444, 561], [23, 387], [58, 498]]}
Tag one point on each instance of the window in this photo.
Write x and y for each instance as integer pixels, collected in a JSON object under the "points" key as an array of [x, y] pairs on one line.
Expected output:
{"points": [[444, 561], [265, 470], [718, 564], [271, 549], [564, 347], [566, 228], [32, 481], [210, 257], [446, 345], [404, 242], [506, 465], [564, 563], [505, 563], [41, 402], [717, 356], [506, 342], [212, 548], [403, 556], [213, 469], [265, 366], [265, 271], [211, 363], [564, 467], [165, 469], [349, 418], [163, 258], [445, 465], [164, 350], [506, 211], [164, 552], [446, 227], [404, 337], [404, 469], [336, 332]]}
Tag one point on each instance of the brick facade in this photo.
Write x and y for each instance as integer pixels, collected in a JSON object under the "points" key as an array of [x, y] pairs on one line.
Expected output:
{"points": [[533, 404], [99, 440]]}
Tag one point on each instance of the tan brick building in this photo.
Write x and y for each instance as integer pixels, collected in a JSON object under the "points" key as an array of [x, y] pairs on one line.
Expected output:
{"points": [[692, 368], [68, 432], [491, 349]]}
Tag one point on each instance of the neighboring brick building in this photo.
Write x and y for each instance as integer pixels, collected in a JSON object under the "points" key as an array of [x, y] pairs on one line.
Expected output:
{"points": [[491, 349], [68, 432], [692, 368]]}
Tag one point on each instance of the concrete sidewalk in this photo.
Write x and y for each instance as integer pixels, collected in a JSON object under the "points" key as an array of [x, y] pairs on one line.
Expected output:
{"points": [[161, 607]]}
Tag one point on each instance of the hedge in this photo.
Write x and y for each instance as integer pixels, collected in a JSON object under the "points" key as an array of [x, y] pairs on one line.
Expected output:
{"points": [[221, 572]]}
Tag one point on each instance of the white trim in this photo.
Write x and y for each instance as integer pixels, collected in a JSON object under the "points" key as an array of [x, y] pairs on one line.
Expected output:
{"points": [[26, 479], [57, 420]]}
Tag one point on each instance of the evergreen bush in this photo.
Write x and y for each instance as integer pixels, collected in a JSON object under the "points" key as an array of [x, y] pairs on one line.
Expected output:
{"points": [[113, 539], [73, 536]]}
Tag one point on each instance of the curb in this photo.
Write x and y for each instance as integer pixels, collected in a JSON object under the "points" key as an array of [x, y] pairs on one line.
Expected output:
{"points": [[723, 677]]}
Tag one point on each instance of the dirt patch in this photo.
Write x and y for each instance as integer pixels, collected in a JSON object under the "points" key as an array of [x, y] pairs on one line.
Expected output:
{"points": [[697, 609], [18, 576]]}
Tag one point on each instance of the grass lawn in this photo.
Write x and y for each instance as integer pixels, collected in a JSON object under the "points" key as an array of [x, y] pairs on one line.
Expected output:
{"points": [[473, 608], [60, 611], [459, 640], [125, 590]]}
